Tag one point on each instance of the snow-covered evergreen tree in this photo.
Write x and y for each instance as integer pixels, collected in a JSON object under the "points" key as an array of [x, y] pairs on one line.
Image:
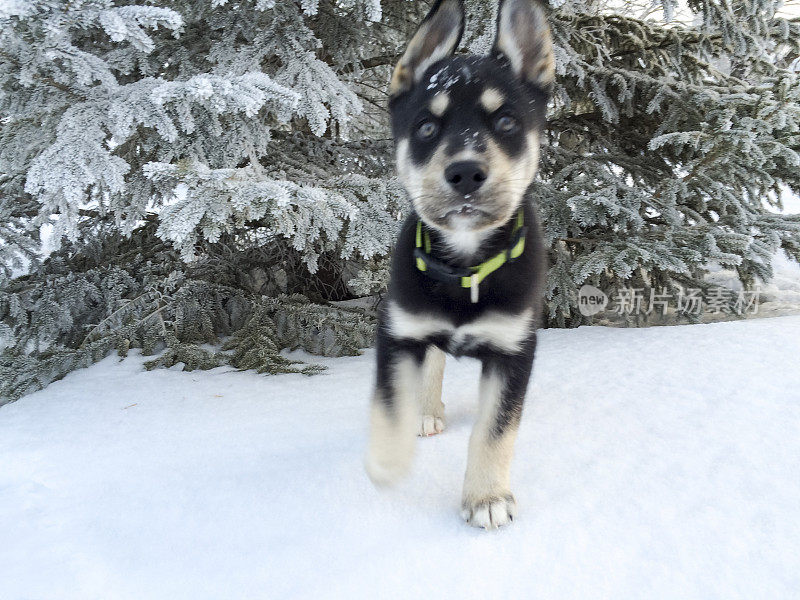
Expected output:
{"points": [[668, 145], [215, 168]]}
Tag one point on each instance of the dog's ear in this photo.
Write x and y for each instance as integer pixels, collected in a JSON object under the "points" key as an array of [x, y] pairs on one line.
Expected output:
{"points": [[523, 37], [436, 38]]}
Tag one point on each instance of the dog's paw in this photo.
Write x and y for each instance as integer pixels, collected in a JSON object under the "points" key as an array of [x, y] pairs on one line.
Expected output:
{"points": [[386, 466], [431, 425], [490, 512], [385, 473], [392, 438]]}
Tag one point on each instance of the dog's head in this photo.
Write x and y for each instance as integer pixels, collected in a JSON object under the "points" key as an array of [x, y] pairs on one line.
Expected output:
{"points": [[467, 128]]}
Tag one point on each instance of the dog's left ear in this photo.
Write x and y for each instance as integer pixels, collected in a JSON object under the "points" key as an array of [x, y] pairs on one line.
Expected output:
{"points": [[436, 38], [523, 37]]}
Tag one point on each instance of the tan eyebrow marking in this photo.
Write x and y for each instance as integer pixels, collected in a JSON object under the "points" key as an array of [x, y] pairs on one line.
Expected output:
{"points": [[440, 103], [492, 99]]}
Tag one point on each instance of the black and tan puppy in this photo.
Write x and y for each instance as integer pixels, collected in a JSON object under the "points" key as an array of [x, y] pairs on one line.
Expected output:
{"points": [[467, 269]]}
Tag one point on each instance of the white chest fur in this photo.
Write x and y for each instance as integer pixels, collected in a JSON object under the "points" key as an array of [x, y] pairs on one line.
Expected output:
{"points": [[503, 331]]}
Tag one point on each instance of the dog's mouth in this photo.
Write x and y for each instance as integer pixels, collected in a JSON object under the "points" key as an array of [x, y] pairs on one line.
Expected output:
{"points": [[462, 214], [467, 209]]}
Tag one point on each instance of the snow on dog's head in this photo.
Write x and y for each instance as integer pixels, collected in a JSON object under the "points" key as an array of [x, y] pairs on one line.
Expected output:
{"points": [[467, 128]]}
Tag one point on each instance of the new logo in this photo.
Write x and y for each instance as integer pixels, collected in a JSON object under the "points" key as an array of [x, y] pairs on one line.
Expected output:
{"points": [[591, 300]]}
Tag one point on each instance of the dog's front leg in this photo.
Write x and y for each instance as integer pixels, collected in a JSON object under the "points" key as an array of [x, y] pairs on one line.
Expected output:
{"points": [[487, 500], [395, 414], [432, 421]]}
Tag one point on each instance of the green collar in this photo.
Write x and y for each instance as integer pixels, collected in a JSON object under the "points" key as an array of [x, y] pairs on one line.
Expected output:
{"points": [[469, 277]]}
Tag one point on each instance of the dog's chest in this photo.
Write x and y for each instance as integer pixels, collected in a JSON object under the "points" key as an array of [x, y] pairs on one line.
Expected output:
{"points": [[501, 331]]}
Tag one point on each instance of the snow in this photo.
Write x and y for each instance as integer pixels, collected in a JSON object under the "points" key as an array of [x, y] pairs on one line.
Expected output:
{"points": [[651, 463]]}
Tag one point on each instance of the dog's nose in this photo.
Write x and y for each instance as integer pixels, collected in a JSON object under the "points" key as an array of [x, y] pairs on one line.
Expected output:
{"points": [[466, 176]]}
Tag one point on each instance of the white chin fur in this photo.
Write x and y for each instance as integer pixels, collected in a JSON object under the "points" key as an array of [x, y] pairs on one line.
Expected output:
{"points": [[464, 240]]}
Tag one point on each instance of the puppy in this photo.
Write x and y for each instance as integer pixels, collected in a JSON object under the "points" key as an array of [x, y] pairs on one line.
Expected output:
{"points": [[467, 269]]}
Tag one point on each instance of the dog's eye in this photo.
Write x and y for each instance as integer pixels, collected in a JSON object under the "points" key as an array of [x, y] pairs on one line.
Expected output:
{"points": [[427, 129], [505, 124]]}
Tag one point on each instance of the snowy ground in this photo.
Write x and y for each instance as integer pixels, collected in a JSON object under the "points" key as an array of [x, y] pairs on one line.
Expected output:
{"points": [[652, 463]]}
